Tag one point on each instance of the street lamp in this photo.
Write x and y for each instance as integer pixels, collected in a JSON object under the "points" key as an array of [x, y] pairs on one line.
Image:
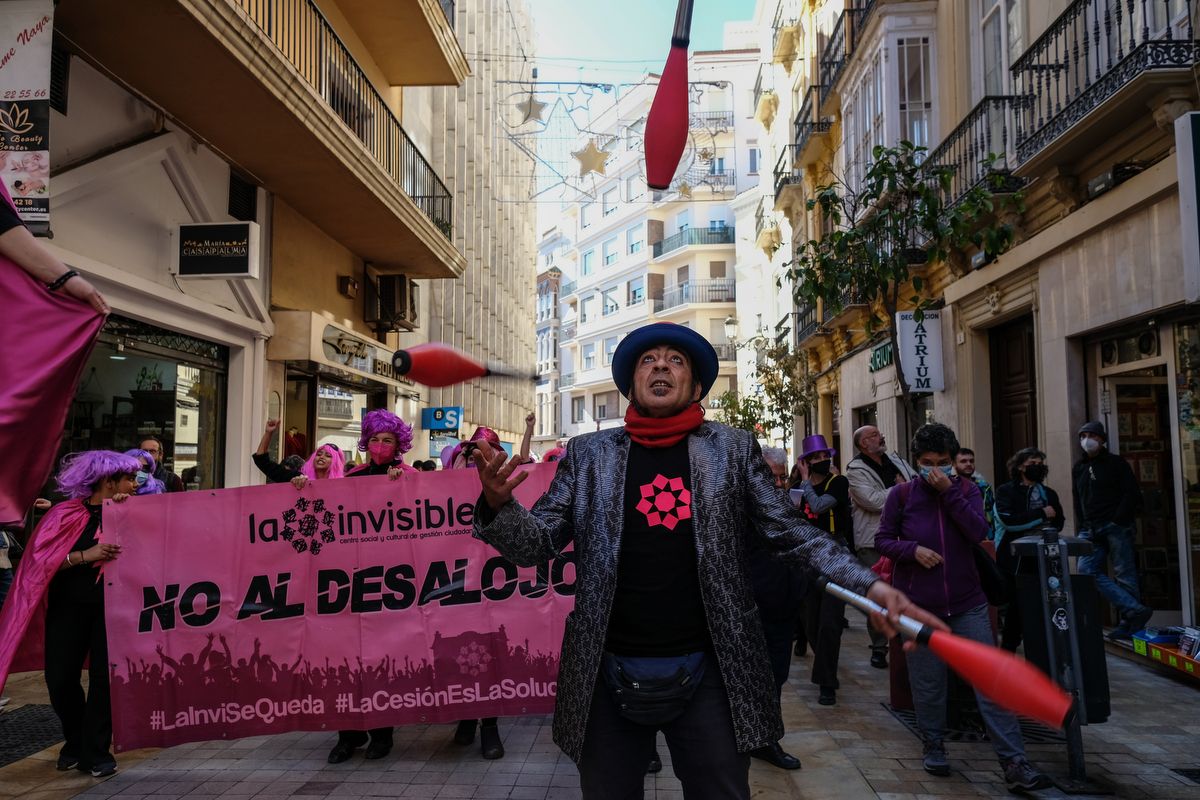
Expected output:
{"points": [[731, 328]]}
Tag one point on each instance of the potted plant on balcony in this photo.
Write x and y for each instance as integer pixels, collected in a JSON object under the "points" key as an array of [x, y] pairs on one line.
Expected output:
{"points": [[885, 229]]}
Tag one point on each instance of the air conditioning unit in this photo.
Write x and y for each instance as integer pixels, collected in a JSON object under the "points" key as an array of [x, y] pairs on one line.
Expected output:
{"points": [[392, 302]]}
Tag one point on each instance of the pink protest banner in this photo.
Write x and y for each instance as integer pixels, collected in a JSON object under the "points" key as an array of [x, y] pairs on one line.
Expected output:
{"points": [[351, 604]]}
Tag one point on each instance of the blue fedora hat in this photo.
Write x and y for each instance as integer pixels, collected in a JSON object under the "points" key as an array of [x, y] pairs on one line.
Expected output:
{"points": [[703, 357]]}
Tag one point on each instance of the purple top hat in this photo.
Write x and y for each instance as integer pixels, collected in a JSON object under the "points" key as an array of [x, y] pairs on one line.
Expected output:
{"points": [[815, 444]]}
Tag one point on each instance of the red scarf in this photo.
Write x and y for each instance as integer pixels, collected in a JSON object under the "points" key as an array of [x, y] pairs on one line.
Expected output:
{"points": [[663, 431]]}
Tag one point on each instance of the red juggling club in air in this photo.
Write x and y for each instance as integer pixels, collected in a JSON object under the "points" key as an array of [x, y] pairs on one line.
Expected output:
{"points": [[1006, 680], [667, 124], [437, 365]]}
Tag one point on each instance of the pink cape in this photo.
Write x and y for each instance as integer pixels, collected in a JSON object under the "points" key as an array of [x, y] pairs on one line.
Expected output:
{"points": [[45, 341], [22, 618]]}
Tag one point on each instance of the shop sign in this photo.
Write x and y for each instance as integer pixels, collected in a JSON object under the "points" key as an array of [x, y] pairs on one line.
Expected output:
{"points": [[216, 250], [25, 38], [445, 418], [347, 350], [881, 357], [920, 345]]}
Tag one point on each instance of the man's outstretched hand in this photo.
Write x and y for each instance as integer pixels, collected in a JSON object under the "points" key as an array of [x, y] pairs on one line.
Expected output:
{"points": [[897, 603], [496, 474]]}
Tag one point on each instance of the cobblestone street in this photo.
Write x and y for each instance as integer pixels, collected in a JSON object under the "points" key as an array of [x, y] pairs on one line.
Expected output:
{"points": [[855, 749]]}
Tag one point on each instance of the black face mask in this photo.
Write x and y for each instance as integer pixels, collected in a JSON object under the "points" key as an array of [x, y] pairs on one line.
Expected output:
{"points": [[1036, 472], [820, 467]]}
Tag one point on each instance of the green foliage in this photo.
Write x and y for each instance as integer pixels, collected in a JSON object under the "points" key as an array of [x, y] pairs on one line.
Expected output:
{"points": [[896, 220], [741, 411], [787, 385]]}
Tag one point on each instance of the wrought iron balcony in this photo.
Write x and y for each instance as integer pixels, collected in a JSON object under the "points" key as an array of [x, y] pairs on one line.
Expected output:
{"points": [[784, 29], [715, 290], [808, 121], [690, 237], [1088, 54], [806, 323], [714, 121], [765, 83], [850, 298], [760, 220], [309, 42], [984, 134], [786, 172], [837, 52], [726, 351]]}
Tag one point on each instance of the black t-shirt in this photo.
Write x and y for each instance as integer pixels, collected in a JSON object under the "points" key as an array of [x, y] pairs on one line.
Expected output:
{"points": [[836, 520], [885, 469], [658, 609], [80, 584], [9, 219], [275, 472]]}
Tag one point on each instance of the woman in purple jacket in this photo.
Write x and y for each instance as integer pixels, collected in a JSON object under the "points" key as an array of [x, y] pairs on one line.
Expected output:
{"points": [[929, 528]]}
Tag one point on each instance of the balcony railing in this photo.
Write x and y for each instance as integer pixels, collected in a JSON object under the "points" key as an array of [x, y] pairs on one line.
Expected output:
{"points": [[765, 82], [1093, 49], [785, 19], [985, 132], [808, 121], [714, 290], [712, 120], [849, 298], [726, 351], [837, 52], [865, 9], [566, 381], [568, 287], [335, 408], [569, 330], [760, 221], [690, 237], [786, 173], [806, 322], [309, 42]]}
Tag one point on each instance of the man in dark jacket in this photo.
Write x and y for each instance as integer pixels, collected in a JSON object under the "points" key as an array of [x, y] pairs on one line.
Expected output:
{"points": [[154, 446], [662, 512], [1107, 499]]}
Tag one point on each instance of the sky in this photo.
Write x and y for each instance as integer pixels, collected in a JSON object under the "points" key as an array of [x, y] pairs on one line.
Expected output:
{"points": [[618, 40]]}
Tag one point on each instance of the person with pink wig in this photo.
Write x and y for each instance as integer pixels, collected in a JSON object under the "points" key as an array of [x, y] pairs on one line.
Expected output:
{"points": [[58, 581], [385, 438]]}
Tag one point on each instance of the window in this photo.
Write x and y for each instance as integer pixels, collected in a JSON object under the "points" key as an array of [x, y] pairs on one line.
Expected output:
{"points": [[916, 90], [607, 405], [610, 347], [578, 409], [1002, 43], [716, 225], [609, 301], [589, 355], [586, 312], [717, 166], [635, 239], [611, 251], [716, 269], [755, 155], [634, 134], [634, 188], [683, 221], [609, 200], [864, 121], [637, 291], [585, 215], [588, 263]]}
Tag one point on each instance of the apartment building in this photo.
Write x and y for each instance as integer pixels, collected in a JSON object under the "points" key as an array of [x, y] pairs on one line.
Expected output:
{"points": [[644, 256], [1092, 313]]}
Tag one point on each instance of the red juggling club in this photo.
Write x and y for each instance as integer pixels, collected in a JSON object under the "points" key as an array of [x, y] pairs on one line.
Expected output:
{"points": [[667, 124], [1006, 680], [436, 364]]}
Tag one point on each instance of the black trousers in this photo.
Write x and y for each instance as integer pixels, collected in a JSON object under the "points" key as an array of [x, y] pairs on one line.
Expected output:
{"points": [[74, 634], [703, 751], [779, 634], [359, 738], [823, 622]]}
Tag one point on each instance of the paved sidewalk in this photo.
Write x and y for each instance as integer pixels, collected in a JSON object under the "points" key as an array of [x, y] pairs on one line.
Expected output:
{"points": [[853, 750]]}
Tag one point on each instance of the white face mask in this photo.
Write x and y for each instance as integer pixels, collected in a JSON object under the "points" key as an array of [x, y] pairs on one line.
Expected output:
{"points": [[1090, 446]]}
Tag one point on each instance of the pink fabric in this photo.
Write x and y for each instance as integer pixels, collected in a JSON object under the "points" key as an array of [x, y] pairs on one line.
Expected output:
{"points": [[22, 618], [45, 341]]}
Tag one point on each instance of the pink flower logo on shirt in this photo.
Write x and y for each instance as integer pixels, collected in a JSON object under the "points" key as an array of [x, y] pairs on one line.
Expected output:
{"points": [[665, 502]]}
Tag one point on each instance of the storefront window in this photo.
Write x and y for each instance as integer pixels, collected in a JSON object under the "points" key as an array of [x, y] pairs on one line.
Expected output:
{"points": [[144, 381], [339, 418], [1187, 383]]}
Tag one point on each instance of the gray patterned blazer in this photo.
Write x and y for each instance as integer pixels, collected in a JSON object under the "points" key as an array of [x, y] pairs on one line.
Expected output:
{"points": [[734, 497]]}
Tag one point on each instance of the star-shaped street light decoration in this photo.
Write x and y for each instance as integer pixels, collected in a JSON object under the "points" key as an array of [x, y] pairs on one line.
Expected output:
{"points": [[580, 98], [591, 159], [685, 190], [531, 109]]}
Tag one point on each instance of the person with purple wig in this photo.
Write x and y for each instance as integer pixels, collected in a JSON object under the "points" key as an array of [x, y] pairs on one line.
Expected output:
{"points": [[59, 577], [385, 438], [146, 482]]}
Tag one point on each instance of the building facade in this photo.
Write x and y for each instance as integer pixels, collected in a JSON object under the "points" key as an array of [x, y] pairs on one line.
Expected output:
{"points": [[554, 254], [643, 256], [1091, 314]]}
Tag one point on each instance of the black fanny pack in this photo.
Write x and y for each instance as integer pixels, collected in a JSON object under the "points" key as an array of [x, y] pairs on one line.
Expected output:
{"points": [[652, 690]]}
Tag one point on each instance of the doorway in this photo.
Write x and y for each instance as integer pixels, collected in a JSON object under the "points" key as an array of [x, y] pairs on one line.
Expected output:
{"points": [[1014, 391], [1139, 425]]}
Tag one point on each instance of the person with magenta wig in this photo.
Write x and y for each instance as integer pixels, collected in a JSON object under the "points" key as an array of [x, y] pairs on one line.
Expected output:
{"points": [[386, 438], [59, 577], [146, 482]]}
